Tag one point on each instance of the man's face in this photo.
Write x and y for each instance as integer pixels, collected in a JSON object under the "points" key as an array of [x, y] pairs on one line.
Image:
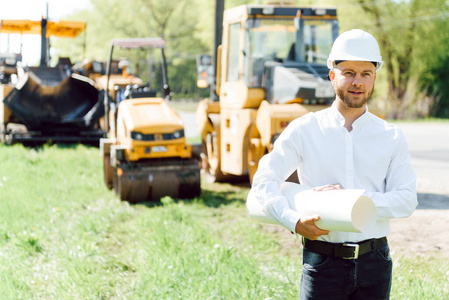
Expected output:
{"points": [[353, 82]]}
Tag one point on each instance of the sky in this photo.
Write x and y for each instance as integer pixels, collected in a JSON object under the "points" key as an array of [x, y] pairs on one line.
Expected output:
{"points": [[33, 10]]}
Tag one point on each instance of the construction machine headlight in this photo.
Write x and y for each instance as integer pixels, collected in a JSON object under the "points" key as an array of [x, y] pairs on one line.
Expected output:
{"points": [[174, 135], [178, 134], [135, 135]]}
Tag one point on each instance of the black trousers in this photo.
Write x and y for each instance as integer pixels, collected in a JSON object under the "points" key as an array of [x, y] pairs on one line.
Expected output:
{"points": [[368, 277]]}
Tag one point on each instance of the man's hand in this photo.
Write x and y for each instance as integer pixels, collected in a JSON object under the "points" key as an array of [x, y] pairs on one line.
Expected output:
{"points": [[328, 187], [307, 228]]}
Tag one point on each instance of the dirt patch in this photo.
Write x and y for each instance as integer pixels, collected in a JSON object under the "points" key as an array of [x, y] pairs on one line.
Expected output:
{"points": [[425, 232]]}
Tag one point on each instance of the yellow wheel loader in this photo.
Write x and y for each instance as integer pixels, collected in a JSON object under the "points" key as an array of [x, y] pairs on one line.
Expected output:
{"points": [[270, 69], [146, 155]]}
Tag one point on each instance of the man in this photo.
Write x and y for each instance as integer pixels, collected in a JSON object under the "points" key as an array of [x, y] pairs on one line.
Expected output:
{"points": [[124, 66], [343, 146]]}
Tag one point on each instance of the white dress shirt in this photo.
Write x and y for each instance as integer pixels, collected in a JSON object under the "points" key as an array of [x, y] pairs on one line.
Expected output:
{"points": [[373, 156]]}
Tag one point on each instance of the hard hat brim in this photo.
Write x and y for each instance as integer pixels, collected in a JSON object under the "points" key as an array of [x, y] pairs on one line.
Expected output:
{"points": [[331, 61]]}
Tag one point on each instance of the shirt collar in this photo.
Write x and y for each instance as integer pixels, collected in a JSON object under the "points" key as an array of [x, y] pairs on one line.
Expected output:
{"points": [[362, 119], [336, 113], [341, 120]]}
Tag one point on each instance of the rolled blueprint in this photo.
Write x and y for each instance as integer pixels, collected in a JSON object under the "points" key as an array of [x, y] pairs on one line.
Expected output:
{"points": [[340, 210]]}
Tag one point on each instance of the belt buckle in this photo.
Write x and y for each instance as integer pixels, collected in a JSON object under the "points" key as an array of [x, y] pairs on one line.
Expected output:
{"points": [[356, 250]]}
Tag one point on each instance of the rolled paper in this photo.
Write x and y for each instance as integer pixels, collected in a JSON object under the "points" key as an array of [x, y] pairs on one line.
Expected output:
{"points": [[256, 211], [340, 210]]}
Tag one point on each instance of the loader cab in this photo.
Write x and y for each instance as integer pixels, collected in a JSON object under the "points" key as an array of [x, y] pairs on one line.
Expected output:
{"points": [[282, 41], [268, 47]]}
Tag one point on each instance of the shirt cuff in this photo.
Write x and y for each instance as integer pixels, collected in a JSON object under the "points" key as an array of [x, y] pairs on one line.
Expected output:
{"points": [[289, 219], [381, 203]]}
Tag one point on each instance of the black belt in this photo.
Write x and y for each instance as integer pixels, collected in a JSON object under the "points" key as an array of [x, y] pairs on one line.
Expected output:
{"points": [[344, 250]]}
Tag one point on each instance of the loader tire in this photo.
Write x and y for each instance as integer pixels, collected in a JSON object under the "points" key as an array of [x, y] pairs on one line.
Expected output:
{"points": [[2, 134], [108, 172], [255, 152], [210, 167]]}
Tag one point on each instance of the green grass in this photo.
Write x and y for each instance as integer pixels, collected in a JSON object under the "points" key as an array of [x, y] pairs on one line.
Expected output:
{"points": [[194, 140], [63, 235]]}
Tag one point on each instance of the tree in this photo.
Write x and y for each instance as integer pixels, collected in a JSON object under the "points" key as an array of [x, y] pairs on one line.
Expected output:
{"points": [[175, 21], [433, 57], [413, 37], [397, 49]]}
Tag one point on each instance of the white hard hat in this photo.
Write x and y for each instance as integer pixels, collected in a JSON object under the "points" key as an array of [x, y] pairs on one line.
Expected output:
{"points": [[355, 45]]}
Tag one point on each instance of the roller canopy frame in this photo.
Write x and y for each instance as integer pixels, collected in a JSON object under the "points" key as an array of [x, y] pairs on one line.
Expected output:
{"points": [[135, 43]]}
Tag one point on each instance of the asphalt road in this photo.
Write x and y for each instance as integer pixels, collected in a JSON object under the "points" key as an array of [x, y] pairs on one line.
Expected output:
{"points": [[190, 128], [429, 148]]}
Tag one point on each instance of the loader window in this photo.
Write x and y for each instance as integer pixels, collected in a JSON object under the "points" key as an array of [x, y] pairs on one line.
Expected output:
{"points": [[265, 40], [274, 40], [233, 54], [318, 40]]}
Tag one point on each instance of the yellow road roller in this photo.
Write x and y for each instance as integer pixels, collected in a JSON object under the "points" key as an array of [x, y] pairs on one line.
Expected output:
{"points": [[146, 155]]}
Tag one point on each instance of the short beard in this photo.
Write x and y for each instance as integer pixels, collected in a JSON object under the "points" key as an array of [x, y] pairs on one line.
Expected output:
{"points": [[351, 104]]}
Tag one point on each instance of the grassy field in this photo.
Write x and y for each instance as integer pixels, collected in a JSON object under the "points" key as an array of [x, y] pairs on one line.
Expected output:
{"points": [[63, 235]]}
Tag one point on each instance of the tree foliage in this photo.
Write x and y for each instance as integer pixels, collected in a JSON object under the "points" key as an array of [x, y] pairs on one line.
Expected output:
{"points": [[432, 57], [413, 37], [174, 20], [395, 55]]}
